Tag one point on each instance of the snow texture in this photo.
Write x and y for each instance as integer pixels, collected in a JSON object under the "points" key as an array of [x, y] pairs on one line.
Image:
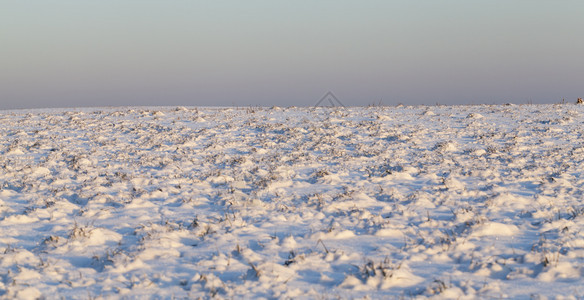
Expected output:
{"points": [[454, 202]]}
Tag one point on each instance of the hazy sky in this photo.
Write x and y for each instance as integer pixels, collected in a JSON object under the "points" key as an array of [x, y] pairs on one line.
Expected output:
{"points": [[289, 53]]}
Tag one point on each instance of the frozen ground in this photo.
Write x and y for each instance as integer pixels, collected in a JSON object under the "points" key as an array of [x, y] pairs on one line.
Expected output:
{"points": [[412, 202]]}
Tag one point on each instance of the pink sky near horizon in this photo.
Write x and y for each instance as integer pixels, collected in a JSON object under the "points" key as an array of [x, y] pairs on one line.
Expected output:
{"points": [[71, 53]]}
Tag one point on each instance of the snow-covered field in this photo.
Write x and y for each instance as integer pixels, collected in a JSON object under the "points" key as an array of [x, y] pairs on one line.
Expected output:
{"points": [[447, 202]]}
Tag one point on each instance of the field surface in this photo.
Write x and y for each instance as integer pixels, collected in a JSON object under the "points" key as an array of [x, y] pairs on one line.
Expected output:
{"points": [[380, 202]]}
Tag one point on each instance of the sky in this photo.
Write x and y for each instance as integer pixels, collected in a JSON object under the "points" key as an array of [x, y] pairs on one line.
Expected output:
{"points": [[71, 53]]}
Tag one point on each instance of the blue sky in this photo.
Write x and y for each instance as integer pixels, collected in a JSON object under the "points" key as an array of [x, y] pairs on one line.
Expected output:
{"points": [[289, 53]]}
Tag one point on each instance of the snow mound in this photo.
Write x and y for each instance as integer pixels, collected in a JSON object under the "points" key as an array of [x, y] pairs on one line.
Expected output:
{"points": [[493, 228]]}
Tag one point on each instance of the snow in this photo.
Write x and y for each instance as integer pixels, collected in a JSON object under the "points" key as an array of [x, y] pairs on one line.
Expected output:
{"points": [[454, 202]]}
